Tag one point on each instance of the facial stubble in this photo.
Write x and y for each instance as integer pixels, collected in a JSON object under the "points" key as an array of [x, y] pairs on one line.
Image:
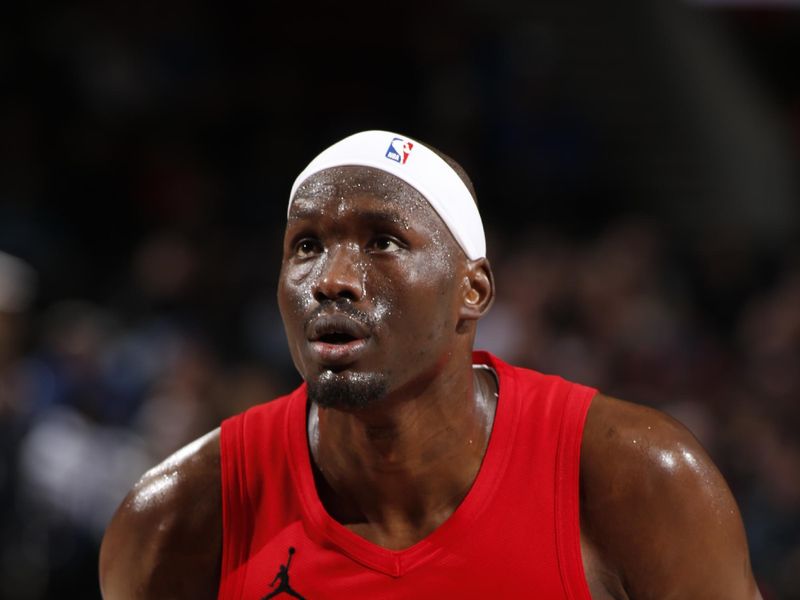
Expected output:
{"points": [[345, 390]]}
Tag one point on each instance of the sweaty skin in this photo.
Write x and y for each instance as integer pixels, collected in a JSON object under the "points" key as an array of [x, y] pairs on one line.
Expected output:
{"points": [[657, 519]]}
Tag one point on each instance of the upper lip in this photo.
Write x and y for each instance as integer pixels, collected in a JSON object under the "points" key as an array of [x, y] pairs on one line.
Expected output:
{"points": [[335, 324]]}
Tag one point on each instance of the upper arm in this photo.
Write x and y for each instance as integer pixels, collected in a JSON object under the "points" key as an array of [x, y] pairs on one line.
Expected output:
{"points": [[165, 538], [657, 510]]}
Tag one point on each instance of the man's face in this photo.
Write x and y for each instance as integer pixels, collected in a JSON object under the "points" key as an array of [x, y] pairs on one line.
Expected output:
{"points": [[369, 287]]}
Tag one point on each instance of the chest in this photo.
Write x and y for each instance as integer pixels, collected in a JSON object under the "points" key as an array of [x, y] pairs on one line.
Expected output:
{"points": [[509, 540], [491, 560]]}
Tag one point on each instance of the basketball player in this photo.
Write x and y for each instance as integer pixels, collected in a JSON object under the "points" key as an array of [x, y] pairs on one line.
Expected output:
{"points": [[408, 464]]}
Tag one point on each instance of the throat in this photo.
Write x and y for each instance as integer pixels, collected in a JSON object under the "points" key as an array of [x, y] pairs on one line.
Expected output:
{"points": [[394, 480]]}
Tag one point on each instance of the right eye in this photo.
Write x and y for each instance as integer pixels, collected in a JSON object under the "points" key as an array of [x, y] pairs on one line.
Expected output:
{"points": [[307, 247]]}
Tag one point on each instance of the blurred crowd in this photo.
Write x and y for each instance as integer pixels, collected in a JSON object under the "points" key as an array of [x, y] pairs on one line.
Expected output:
{"points": [[637, 192]]}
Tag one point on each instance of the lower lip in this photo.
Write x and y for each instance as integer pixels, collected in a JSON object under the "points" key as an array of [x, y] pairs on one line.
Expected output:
{"points": [[337, 354]]}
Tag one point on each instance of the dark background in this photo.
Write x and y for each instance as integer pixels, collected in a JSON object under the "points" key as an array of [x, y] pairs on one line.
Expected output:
{"points": [[636, 165]]}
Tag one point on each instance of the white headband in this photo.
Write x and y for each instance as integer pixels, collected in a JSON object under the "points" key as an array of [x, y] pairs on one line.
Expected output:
{"points": [[418, 166]]}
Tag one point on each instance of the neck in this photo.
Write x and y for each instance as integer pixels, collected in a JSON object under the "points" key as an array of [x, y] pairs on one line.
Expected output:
{"points": [[396, 472]]}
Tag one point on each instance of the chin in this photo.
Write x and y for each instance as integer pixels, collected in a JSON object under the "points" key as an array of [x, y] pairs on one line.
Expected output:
{"points": [[346, 390]]}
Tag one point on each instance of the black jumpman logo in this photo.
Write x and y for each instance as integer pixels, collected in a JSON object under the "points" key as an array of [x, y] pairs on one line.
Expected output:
{"points": [[283, 575]]}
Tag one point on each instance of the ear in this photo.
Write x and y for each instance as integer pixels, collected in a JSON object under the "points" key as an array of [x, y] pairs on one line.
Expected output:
{"points": [[478, 293]]}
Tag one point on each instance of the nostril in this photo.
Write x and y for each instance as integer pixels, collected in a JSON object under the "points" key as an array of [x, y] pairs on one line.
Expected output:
{"points": [[326, 293]]}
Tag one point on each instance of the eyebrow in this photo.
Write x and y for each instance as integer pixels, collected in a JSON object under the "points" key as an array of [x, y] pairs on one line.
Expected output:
{"points": [[379, 217], [383, 217]]}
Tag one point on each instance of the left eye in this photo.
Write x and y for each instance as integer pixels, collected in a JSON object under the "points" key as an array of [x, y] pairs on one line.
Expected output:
{"points": [[385, 243]]}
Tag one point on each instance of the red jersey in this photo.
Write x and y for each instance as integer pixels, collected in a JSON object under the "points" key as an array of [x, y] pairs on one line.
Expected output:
{"points": [[515, 534]]}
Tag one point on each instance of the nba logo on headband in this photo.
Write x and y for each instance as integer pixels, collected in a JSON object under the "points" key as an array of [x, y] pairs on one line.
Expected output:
{"points": [[399, 150]]}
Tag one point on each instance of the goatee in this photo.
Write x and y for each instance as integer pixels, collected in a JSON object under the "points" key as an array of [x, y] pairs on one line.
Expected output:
{"points": [[347, 391]]}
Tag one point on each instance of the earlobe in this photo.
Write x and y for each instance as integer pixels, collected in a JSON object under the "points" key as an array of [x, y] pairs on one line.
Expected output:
{"points": [[479, 294]]}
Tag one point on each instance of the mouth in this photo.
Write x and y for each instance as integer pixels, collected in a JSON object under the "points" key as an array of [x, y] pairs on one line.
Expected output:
{"points": [[336, 340]]}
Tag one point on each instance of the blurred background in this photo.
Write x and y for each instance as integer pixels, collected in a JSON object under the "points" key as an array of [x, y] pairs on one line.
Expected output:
{"points": [[637, 165]]}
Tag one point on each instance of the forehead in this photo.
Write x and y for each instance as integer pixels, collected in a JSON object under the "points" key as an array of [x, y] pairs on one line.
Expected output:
{"points": [[346, 189]]}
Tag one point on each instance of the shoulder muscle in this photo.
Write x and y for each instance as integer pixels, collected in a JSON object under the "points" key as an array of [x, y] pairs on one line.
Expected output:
{"points": [[656, 508], [165, 538]]}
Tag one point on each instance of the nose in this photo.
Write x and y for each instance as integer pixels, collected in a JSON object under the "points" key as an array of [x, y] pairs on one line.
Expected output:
{"points": [[340, 276]]}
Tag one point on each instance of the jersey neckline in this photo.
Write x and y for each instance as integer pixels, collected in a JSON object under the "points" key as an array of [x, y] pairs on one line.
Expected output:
{"points": [[327, 531]]}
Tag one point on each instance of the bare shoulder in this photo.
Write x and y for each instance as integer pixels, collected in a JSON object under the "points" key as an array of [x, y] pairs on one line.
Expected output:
{"points": [[656, 510], [165, 540]]}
